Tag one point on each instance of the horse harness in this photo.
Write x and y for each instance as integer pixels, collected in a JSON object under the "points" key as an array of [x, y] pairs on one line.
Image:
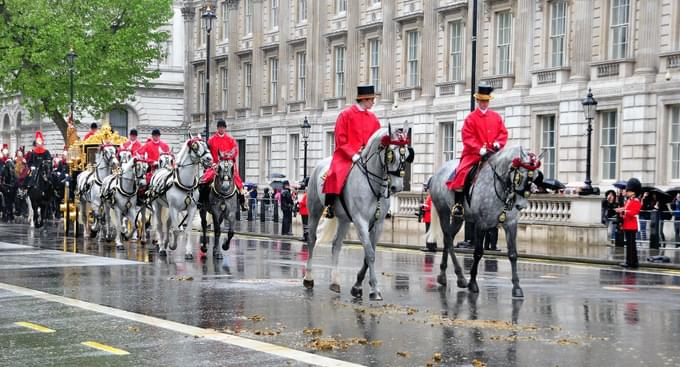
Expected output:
{"points": [[513, 184]]}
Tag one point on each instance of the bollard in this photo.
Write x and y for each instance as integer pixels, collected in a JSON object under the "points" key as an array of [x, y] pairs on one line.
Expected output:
{"points": [[67, 214]]}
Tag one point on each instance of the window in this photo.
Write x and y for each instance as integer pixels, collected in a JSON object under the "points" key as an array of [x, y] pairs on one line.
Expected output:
{"points": [[608, 145], [675, 142], [273, 79], [330, 143], [558, 30], [274, 14], [225, 20], [448, 130], [224, 81], [548, 145], [618, 30], [374, 63], [302, 11], [456, 51], [201, 31], [412, 58], [200, 86], [340, 6], [339, 71], [118, 119], [248, 9], [294, 156], [266, 156], [375, 2], [301, 70], [503, 42], [247, 84]]}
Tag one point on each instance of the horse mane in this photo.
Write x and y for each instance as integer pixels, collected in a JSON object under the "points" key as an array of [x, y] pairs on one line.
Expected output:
{"points": [[374, 140], [183, 151]]}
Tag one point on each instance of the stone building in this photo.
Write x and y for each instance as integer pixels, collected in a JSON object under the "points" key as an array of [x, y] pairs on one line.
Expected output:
{"points": [[276, 61], [160, 105]]}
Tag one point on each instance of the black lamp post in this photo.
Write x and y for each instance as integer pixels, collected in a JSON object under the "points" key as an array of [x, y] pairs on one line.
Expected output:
{"points": [[306, 129], [589, 109], [71, 59], [473, 77], [208, 17]]}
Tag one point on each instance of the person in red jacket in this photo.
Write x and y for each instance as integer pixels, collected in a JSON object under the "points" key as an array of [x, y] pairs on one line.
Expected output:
{"points": [[153, 147], [629, 214], [132, 144], [304, 214], [222, 143], [483, 134], [354, 126], [93, 130]]}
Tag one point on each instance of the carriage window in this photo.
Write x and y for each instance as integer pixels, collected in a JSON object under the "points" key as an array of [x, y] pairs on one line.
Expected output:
{"points": [[608, 145], [675, 142], [448, 130], [548, 145], [118, 119], [294, 157]]}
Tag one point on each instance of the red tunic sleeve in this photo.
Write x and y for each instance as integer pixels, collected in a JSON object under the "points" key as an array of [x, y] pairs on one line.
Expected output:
{"points": [[471, 139], [342, 144]]}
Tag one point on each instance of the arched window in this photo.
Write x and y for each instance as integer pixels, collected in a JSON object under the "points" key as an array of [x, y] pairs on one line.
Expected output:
{"points": [[118, 118], [5, 131]]}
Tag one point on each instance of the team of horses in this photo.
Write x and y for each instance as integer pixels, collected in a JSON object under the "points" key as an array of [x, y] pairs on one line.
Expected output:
{"points": [[115, 194]]}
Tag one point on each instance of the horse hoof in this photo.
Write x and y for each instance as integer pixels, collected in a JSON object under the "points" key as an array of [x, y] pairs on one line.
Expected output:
{"points": [[473, 287], [309, 284], [517, 293], [357, 292], [142, 242], [225, 246], [441, 279], [335, 288], [188, 257], [217, 255], [173, 246], [462, 283], [120, 247], [155, 242], [204, 249], [375, 296], [162, 253]]}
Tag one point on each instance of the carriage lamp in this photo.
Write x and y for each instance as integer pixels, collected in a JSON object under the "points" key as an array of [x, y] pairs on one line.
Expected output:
{"points": [[306, 129], [589, 109]]}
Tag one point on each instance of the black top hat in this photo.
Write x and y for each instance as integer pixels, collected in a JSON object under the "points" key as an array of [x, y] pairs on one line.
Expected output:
{"points": [[634, 185], [133, 132], [156, 132], [484, 92], [93, 125], [365, 91], [221, 123]]}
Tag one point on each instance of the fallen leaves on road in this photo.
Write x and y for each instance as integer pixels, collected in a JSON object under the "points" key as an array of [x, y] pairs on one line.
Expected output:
{"points": [[133, 329], [256, 318], [404, 354], [478, 363], [182, 278], [312, 331], [331, 343]]}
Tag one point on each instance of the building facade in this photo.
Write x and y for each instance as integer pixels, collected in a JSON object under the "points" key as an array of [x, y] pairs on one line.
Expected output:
{"points": [[273, 62], [161, 105]]}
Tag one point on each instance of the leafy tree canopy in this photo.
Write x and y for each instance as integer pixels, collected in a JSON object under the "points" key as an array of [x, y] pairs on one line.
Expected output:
{"points": [[115, 42]]}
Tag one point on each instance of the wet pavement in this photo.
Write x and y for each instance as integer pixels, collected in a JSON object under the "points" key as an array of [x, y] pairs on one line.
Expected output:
{"points": [[572, 315]]}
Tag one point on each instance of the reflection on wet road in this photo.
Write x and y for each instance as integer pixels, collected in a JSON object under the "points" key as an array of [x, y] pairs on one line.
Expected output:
{"points": [[571, 315]]}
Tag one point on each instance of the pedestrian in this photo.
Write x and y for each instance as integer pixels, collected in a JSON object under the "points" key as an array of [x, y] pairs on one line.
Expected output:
{"points": [[629, 216], [645, 215], [252, 208], [277, 204], [287, 205], [609, 214], [426, 207], [304, 214], [675, 206], [264, 203]]}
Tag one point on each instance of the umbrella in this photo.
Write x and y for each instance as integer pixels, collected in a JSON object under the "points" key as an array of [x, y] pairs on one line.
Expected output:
{"points": [[661, 195], [274, 175], [250, 185], [673, 191], [276, 184], [620, 184], [552, 184]]}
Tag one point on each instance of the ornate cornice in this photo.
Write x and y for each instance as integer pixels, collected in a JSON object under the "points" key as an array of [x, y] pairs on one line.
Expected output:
{"points": [[188, 12], [232, 4]]}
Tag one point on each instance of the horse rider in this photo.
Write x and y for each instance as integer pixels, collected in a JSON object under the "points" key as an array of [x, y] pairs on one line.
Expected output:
{"points": [[20, 165], [152, 149], [222, 142], [132, 144], [353, 127], [484, 133], [93, 130], [35, 157], [4, 154]]}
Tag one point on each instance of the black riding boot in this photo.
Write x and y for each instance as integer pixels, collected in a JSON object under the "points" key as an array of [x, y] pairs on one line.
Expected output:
{"points": [[329, 202], [457, 210]]}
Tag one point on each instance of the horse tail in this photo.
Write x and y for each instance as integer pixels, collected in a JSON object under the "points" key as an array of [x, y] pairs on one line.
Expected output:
{"points": [[435, 228], [326, 231]]}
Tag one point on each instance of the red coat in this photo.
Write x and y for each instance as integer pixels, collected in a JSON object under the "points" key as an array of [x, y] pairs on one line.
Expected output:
{"points": [[223, 144], [353, 128], [631, 209], [151, 149], [303, 205], [132, 146], [479, 130], [89, 133], [427, 210]]}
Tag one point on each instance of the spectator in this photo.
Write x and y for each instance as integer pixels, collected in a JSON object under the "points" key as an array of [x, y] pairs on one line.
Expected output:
{"points": [[304, 214], [252, 208], [645, 215], [277, 204], [264, 203], [430, 244], [609, 215], [654, 221], [629, 215], [287, 205], [675, 206]]}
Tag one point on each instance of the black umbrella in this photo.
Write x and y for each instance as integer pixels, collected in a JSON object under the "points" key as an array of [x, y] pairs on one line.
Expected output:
{"points": [[620, 184], [673, 191], [661, 195], [552, 184], [276, 175]]}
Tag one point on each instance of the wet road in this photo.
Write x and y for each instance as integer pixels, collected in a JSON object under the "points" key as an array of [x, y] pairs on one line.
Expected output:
{"points": [[572, 315]]}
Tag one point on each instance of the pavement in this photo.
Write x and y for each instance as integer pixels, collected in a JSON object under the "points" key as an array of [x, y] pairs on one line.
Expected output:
{"points": [[82, 302]]}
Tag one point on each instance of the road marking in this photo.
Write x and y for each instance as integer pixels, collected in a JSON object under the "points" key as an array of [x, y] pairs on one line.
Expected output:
{"points": [[616, 288], [273, 349], [35, 327], [105, 348]]}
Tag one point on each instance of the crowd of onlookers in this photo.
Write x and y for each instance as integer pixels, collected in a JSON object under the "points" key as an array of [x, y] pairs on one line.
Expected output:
{"points": [[277, 204]]}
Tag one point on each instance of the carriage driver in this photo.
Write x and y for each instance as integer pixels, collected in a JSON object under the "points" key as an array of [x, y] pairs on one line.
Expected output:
{"points": [[152, 149], [483, 134], [132, 144], [354, 126], [36, 157], [222, 142]]}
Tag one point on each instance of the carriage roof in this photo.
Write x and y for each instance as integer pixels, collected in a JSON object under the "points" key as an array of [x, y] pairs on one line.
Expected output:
{"points": [[82, 153]]}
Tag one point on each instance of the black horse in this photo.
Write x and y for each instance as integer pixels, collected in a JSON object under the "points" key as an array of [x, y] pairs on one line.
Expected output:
{"points": [[59, 177], [8, 188], [41, 191]]}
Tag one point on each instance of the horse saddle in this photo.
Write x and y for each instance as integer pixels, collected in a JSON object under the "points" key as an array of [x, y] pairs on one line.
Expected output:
{"points": [[470, 181]]}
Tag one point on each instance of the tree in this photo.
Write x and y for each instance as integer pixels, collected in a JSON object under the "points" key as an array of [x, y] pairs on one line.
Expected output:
{"points": [[116, 42]]}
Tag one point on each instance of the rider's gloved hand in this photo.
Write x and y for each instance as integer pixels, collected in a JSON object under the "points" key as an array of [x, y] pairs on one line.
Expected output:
{"points": [[32, 168], [356, 157], [482, 152], [496, 146]]}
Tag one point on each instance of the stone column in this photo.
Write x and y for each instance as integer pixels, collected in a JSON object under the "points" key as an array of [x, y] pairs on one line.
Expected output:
{"points": [[188, 13], [581, 53], [352, 51], [233, 67], [646, 56], [258, 57], [523, 42], [428, 50], [285, 7], [387, 56]]}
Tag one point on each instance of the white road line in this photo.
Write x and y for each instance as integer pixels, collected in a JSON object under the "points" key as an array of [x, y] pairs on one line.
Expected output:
{"points": [[238, 341]]}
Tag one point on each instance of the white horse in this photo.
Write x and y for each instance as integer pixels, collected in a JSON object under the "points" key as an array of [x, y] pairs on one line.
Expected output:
{"points": [[89, 188], [175, 189], [119, 193]]}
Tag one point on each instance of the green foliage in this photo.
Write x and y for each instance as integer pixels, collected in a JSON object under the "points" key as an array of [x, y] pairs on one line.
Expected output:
{"points": [[116, 42]]}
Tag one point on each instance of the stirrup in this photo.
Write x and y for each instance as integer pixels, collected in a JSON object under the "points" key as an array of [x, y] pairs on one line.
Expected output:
{"points": [[328, 212], [457, 210]]}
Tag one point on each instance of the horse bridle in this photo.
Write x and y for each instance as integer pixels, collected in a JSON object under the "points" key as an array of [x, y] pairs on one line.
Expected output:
{"points": [[513, 185], [107, 159], [193, 148], [219, 193]]}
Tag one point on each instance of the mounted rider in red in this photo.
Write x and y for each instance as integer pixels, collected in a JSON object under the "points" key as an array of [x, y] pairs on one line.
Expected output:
{"points": [[354, 126], [35, 157], [222, 142], [132, 144], [151, 151], [483, 134]]}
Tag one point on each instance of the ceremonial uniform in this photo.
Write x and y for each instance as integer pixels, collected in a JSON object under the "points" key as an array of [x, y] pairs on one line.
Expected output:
{"points": [[93, 130], [629, 214], [304, 214], [153, 150], [222, 144], [35, 157], [133, 146]]}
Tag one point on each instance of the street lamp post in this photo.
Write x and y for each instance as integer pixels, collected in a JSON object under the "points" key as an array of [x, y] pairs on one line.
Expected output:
{"points": [[208, 17], [589, 108], [71, 59], [473, 77], [306, 129]]}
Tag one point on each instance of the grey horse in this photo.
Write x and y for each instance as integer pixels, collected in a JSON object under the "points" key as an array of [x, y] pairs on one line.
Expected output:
{"points": [[369, 184], [498, 194]]}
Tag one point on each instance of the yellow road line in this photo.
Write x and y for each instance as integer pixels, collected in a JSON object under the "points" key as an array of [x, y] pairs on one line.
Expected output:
{"points": [[35, 327], [105, 348]]}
